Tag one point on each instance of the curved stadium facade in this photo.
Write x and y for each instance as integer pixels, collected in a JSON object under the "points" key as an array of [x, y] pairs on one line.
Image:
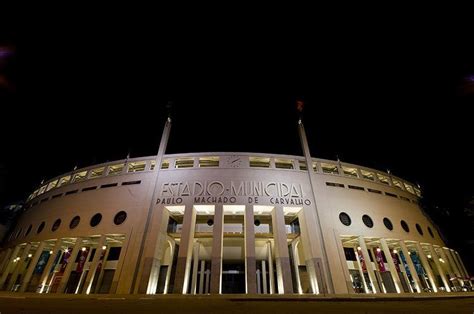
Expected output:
{"points": [[223, 223]]}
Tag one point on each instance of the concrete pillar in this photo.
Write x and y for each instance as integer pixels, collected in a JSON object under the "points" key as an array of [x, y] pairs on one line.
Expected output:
{"points": [[426, 266], [282, 258], [18, 267], [456, 261], [391, 265], [93, 265], [461, 263], [314, 264], [441, 272], [361, 272], [31, 268], [411, 267], [197, 245], [264, 277], [172, 246], [342, 258], [121, 282], [296, 262], [5, 258], [49, 264], [154, 252], [369, 265], [453, 265], [9, 265], [185, 251], [70, 264], [216, 256], [271, 278], [447, 263], [250, 260], [201, 277]]}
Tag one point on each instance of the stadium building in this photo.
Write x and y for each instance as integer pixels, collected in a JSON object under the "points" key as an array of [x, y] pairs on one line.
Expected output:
{"points": [[221, 223]]}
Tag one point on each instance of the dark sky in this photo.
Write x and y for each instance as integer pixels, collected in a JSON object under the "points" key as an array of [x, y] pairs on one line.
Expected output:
{"points": [[382, 96]]}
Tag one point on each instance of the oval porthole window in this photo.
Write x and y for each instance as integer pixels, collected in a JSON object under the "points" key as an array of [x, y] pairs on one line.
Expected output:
{"points": [[40, 227], [404, 226], [95, 220], [74, 222], [210, 222], [345, 219], [257, 222], [431, 232], [120, 217], [367, 221], [388, 224], [418, 228], [56, 225], [28, 230]]}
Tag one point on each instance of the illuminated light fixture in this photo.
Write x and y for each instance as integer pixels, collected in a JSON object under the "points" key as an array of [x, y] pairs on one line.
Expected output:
{"points": [[429, 256], [409, 253], [83, 249], [65, 250], [50, 252], [358, 248], [395, 251], [30, 255], [378, 249], [104, 247], [441, 260]]}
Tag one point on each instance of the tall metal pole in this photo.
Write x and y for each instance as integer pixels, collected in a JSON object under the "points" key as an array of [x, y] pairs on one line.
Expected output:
{"points": [[158, 161], [321, 267]]}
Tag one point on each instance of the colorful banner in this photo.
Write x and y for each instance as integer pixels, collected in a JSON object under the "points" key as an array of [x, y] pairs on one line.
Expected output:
{"points": [[362, 261], [43, 259], [379, 259], [82, 260], [64, 261], [395, 261], [405, 264], [417, 263]]}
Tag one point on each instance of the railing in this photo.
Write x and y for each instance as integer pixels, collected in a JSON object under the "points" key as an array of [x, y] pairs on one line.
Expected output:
{"points": [[224, 160]]}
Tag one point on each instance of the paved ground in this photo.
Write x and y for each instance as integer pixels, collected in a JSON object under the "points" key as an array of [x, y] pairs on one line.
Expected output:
{"points": [[14, 303]]}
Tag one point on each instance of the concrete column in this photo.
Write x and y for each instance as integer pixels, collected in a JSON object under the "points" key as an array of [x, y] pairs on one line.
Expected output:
{"points": [[93, 265], [31, 268], [342, 259], [454, 265], [185, 251], [411, 267], [271, 278], [121, 283], [447, 264], [216, 256], [201, 277], [282, 258], [461, 263], [391, 265], [441, 272], [153, 255], [264, 277], [250, 261], [5, 258], [369, 265], [361, 272], [456, 261], [313, 261], [70, 264], [426, 266], [9, 265], [296, 262], [18, 266], [172, 244], [49, 264], [197, 245]]}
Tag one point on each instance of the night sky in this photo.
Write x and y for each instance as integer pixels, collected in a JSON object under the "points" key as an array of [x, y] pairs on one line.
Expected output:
{"points": [[395, 101]]}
